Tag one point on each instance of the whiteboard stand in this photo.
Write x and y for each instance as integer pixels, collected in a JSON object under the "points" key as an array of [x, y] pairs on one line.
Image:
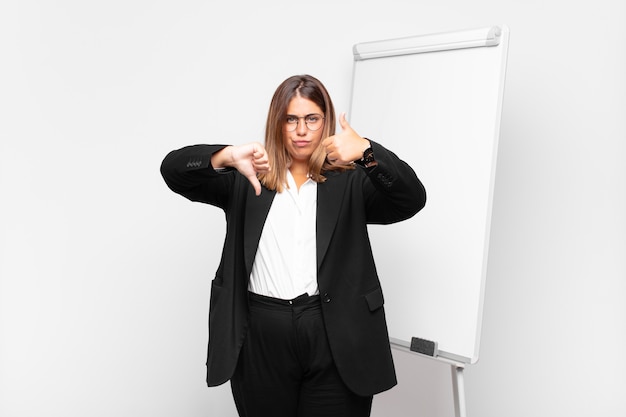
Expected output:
{"points": [[458, 390], [456, 372]]}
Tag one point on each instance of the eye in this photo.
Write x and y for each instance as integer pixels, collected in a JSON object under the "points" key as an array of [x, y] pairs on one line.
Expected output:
{"points": [[291, 119], [312, 118]]}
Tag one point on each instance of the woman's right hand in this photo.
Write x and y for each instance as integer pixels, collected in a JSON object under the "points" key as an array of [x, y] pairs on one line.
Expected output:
{"points": [[249, 159]]}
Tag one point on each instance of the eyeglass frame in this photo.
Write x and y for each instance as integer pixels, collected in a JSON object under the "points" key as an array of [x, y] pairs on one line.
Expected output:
{"points": [[295, 125]]}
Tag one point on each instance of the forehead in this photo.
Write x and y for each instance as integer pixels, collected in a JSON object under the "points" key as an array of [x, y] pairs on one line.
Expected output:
{"points": [[300, 106]]}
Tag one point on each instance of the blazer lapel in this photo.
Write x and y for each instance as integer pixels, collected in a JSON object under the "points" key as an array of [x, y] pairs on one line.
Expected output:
{"points": [[257, 208], [330, 196]]}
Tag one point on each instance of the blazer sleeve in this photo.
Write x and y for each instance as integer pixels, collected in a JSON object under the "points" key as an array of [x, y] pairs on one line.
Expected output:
{"points": [[393, 191], [188, 172]]}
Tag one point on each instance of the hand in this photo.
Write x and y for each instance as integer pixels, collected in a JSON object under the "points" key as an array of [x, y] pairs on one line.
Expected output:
{"points": [[345, 147], [249, 160]]}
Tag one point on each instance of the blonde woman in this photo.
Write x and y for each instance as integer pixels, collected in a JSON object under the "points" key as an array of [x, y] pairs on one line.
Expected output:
{"points": [[296, 320]]}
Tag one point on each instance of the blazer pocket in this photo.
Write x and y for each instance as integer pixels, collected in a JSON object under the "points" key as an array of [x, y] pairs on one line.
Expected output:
{"points": [[375, 299], [217, 293]]}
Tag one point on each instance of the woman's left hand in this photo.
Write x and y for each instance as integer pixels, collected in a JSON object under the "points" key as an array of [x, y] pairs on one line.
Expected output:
{"points": [[345, 147]]}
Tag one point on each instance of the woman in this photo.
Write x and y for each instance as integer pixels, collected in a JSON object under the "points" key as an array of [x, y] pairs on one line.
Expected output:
{"points": [[296, 318]]}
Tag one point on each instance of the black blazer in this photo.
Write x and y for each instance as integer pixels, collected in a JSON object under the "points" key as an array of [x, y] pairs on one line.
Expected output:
{"points": [[351, 296]]}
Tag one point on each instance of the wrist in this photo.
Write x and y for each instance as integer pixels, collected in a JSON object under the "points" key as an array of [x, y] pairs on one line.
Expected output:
{"points": [[366, 145], [367, 160], [222, 158]]}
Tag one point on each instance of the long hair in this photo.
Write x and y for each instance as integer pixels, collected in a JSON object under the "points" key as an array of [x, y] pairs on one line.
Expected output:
{"points": [[310, 88]]}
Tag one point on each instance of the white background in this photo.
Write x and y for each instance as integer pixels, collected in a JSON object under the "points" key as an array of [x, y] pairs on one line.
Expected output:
{"points": [[104, 273]]}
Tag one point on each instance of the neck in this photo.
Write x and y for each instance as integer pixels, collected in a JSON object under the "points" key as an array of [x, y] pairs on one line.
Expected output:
{"points": [[299, 168], [300, 173]]}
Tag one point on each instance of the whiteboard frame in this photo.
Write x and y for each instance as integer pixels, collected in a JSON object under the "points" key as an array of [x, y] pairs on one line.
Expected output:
{"points": [[445, 41], [492, 36]]}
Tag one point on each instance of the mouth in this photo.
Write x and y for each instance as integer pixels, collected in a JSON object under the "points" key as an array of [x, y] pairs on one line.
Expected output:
{"points": [[300, 143]]}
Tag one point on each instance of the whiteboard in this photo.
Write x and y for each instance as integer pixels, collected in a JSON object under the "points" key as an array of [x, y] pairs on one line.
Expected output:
{"points": [[435, 101]]}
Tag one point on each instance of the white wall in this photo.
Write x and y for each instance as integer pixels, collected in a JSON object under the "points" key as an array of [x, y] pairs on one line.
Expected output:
{"points": [[104, 274]]}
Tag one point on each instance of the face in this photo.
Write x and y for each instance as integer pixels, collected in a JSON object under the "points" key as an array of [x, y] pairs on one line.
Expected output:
{"points": [[302, 141]]}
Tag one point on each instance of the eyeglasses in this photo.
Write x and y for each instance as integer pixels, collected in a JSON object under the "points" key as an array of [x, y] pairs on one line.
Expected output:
{"points": [[312, 121]]}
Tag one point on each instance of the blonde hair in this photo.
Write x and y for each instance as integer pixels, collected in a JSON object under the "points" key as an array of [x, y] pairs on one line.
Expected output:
{"points": [[311, 88]]}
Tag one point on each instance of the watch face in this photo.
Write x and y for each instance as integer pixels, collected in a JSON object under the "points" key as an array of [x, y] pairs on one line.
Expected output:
{"points": [[368, 158]]}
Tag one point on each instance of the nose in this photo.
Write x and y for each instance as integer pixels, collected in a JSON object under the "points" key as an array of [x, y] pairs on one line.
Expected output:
{"points": [[301, 128]]}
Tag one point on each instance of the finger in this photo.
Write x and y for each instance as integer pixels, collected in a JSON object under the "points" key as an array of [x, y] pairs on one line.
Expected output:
{"points": [[257, 153], [331, 153], [328, 143], [343, 122], [255, 184], [259, 159], [262, 167]]}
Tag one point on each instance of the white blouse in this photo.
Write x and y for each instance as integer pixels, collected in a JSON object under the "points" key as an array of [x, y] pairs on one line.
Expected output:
{"points": [[285, 265]]}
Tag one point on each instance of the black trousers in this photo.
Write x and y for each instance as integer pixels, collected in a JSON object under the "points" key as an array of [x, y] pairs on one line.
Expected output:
{"points": [[285, 367]]}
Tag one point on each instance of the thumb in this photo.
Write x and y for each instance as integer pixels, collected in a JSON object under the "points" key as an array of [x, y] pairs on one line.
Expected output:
{"points": [[255, 184], [343, 122]]}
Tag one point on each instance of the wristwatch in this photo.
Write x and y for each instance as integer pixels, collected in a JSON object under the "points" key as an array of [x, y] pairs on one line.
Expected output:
{"points": [[368, 160]]}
